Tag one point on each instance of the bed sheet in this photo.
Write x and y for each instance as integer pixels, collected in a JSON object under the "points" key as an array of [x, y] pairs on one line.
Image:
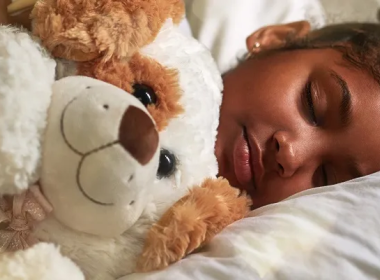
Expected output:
{"points": [[323, 233]]}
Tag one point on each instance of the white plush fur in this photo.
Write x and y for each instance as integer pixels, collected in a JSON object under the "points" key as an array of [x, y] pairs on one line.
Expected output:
{"points": [[26, 76], [191, 136], [101, 258], [41, 262]]}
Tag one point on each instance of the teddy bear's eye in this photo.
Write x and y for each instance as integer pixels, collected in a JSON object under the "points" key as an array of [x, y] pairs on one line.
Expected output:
{"points": [[167, 164], [145, 94]]}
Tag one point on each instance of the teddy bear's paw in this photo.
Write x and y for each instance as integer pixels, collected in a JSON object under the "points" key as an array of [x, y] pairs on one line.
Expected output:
{"points": [[40, 262], [171, 239], [192, 222], [225, 205]]}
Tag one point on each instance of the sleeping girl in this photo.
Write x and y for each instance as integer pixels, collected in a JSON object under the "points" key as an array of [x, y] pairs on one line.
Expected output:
{"points": [[302, 110]]}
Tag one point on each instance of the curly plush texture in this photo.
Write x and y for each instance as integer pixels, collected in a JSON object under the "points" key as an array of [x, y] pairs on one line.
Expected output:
{"points": [[85, 30], [41, 262], [26, 76]]}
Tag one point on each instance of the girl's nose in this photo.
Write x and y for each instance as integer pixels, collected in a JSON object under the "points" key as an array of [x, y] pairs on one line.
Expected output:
{"points": [[288, 156]]}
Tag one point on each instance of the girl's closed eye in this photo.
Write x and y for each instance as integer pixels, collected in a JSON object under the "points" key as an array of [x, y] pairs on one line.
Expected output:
{"points": [[309, 94], [307, 100]]}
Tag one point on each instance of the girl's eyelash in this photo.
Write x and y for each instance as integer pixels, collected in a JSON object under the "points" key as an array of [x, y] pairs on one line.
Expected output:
{"points": [[310, 103], [308, 99], [324, 174]]}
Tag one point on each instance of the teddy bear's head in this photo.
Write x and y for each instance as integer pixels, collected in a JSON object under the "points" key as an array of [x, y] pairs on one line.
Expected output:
{"points": [[173, 75], [100, 156]]}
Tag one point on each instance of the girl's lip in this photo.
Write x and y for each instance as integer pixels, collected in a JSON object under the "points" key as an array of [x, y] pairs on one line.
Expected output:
{"points": [[247, 161], [242, 163], [256, 158]]}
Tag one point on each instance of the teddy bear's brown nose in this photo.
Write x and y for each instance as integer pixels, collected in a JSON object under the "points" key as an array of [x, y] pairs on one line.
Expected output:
{"points": [[138, 134]]}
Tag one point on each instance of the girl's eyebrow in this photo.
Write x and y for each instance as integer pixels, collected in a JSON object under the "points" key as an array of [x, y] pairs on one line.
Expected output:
{"points": [[345, 108]]}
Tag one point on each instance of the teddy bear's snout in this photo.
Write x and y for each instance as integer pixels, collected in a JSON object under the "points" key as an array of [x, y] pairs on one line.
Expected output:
{"points": [[138, 135]]}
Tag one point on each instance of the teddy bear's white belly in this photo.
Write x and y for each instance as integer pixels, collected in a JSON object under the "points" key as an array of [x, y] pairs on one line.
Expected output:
{"points": [[99, 258]]}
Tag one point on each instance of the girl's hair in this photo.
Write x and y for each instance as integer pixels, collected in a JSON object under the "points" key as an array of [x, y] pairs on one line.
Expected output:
{"points": [[358, 42]]}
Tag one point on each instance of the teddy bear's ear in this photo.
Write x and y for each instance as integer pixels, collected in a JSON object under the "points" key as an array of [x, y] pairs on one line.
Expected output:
{"points": [[27, 74], [85, 30], [60, 31], [75, 43]]}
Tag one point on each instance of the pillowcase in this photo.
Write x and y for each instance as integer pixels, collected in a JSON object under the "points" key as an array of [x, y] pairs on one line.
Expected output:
{"points": [[322, 233], [223, 26]]}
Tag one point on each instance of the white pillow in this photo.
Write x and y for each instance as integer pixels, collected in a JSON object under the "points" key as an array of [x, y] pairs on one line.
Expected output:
{"points": [[323, 233], [223, 25]]}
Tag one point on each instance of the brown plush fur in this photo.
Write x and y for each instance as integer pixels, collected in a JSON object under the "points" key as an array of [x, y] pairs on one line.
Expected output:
{"points": [[113, 71], [82, 30], [141, 70], [165, 84], [192, 222]]}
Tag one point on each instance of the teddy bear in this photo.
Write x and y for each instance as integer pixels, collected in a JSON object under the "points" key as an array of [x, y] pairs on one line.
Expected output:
{"points": [[176, 80]]}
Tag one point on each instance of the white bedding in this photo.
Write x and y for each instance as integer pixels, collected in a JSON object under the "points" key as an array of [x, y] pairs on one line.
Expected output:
{"points": [[223, 25], [323, 233]]}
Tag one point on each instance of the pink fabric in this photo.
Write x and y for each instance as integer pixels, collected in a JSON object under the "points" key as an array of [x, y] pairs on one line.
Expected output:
{"points": [[18, 215]]}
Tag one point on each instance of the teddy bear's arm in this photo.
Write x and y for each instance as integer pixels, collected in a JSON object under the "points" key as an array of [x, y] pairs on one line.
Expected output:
{"points": [[192, 222]]}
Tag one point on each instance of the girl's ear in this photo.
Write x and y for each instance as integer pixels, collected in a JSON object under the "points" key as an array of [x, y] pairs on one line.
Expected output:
{"points": [[4, 17], [274, 36]]}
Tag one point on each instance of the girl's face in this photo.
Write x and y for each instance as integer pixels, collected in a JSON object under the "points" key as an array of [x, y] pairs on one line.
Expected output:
{"points": [[295, 120]]}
